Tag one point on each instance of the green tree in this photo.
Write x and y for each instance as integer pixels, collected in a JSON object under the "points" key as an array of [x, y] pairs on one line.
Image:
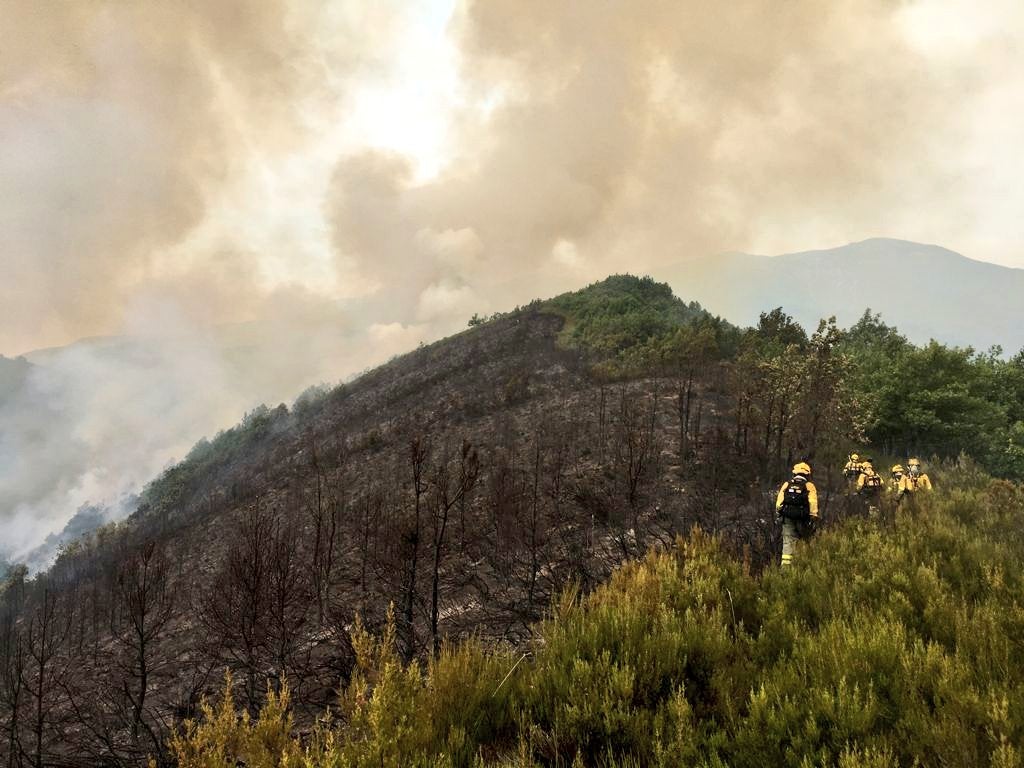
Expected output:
{"points": [[939, 400]]}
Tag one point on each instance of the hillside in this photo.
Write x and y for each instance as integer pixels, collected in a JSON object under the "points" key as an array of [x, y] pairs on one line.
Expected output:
{"points": [[912, 285], [886, 644], [467, 484], [77, 426], [78, 431]]}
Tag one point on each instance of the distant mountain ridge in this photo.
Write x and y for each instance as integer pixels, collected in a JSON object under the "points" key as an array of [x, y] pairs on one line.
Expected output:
{"points": [[925, 290]]}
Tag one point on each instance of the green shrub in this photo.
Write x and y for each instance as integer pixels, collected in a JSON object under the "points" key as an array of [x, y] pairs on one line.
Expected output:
{"points": [[225, 738]]}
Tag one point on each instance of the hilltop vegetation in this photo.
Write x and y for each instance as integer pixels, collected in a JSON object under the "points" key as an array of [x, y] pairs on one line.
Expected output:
{"points": [[882, 646], [471, 482], [622, 317], [903, 398]]}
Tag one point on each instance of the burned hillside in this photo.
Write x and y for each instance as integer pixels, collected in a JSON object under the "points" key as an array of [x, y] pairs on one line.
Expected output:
{"points": [[465, 484]]}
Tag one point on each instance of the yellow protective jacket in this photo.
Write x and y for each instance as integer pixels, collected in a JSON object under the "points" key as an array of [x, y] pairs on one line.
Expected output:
{"points": [[920, 483], [812, 497], [853, 466], [863, 480], [908, 484]]}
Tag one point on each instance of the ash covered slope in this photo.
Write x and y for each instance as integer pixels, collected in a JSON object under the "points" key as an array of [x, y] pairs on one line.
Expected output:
{"points": [[465, 483], [928, 292], [886, 643]]}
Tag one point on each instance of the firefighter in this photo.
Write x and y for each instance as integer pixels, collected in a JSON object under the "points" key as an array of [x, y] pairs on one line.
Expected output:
{"points": [[869, 487], [796, 507], [853, 466], [852, 470], [917, 480], [896, 480]]}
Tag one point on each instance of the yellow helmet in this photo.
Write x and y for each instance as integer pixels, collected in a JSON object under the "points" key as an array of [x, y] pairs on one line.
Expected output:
{"points": [[854, 457], [897, 468], [914, 463], [801, 468]]}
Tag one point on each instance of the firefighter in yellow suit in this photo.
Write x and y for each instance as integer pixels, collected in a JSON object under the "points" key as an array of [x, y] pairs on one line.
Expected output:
{"points": [[896, 480], [852, 471], [796, 507], [869, 486], [908, 483], [853, 466], [916, 479]]}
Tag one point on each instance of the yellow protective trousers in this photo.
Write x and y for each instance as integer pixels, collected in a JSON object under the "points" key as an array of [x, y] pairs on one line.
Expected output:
{"points": [[790, 536]]}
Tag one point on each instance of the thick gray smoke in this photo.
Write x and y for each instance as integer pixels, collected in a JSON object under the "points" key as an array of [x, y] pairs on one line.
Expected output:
{"points": [[91, 423], [120, 123], [632, 134], [171, 173]]}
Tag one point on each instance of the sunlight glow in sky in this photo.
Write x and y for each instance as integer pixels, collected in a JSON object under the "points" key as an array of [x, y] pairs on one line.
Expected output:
{"points": [[410, 109], [406, 107], [410, 106]]}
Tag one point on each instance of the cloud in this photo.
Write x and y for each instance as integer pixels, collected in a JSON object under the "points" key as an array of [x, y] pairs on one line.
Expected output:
{"points": [[205, 150], [459, 249], [394, 338]]}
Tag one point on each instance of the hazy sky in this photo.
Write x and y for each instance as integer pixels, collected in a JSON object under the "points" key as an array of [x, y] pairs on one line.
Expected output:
{"points": [[328, 183]]}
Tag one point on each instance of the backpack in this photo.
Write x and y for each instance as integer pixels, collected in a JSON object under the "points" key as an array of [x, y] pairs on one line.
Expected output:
{"points": [[796, 504], [853, 471], [873, 481]]}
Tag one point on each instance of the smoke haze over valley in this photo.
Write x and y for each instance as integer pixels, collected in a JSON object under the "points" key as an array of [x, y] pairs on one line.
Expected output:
{"points": [[208, 206]]}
